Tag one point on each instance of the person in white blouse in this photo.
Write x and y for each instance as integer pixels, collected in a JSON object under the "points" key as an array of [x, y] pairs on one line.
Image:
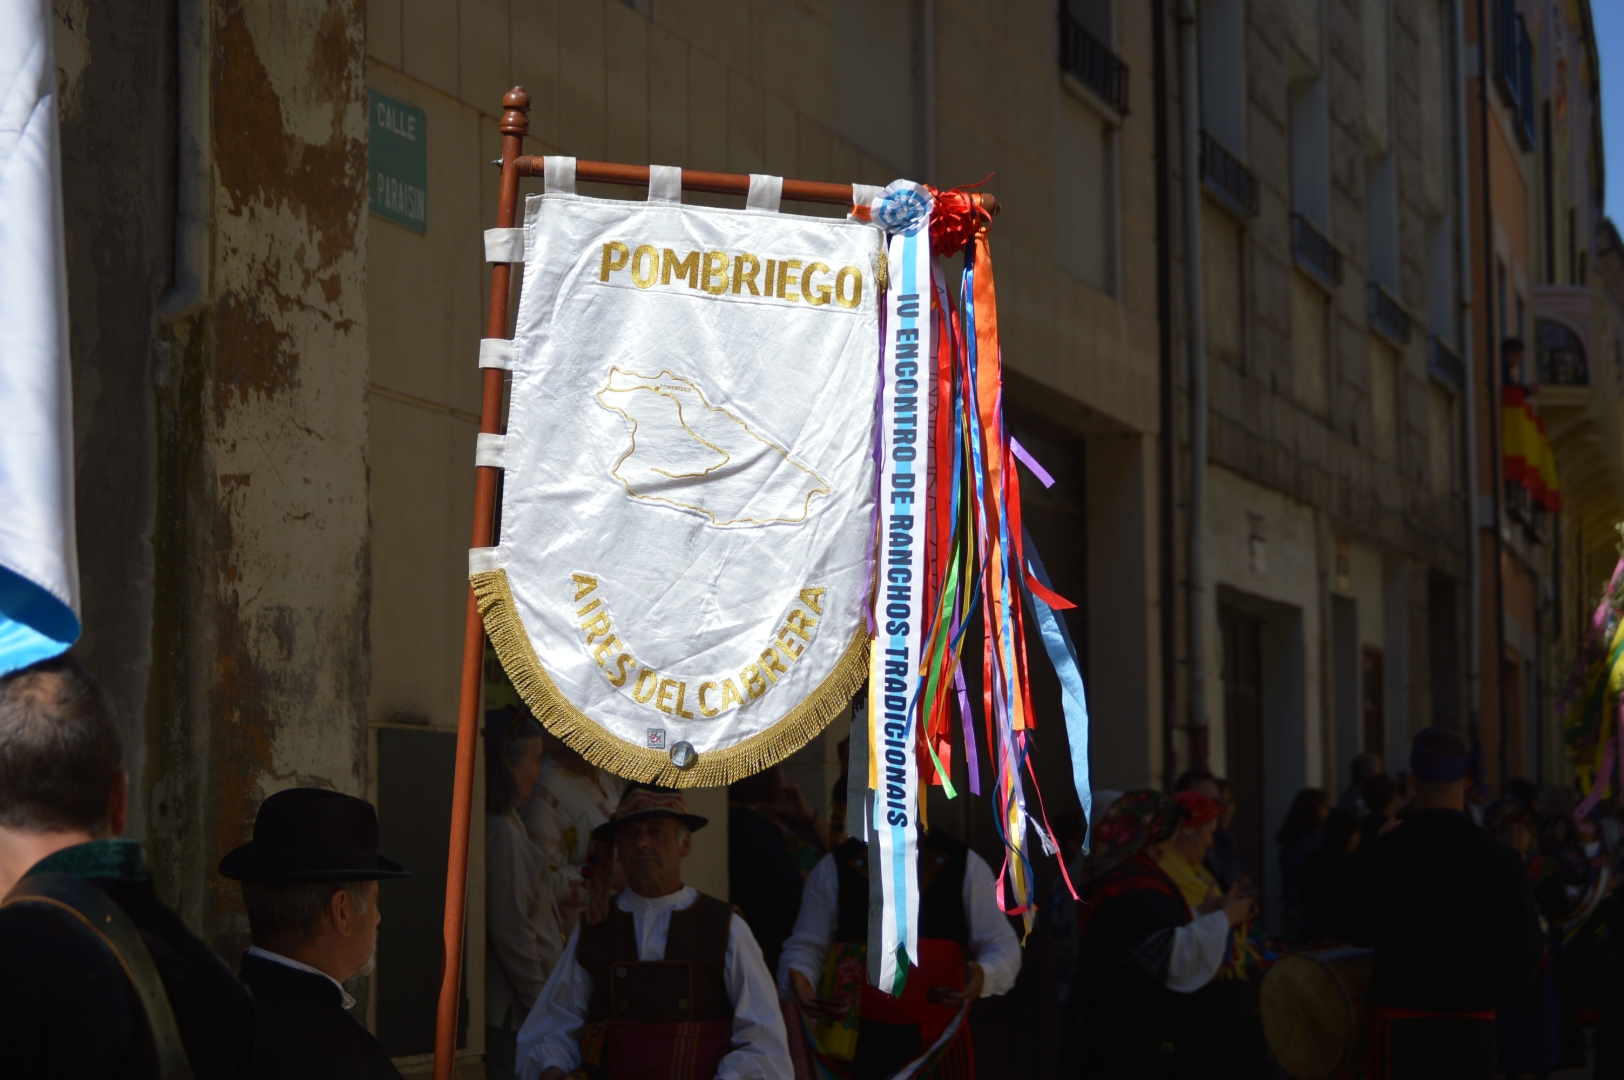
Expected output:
{"points": [[666, 975], [570, 799], [522, 941], [967, 950], [1139, 1004]]}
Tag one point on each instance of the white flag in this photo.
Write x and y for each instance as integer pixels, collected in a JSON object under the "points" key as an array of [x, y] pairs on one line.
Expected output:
{"points": [[39, 562], [687, 502]]}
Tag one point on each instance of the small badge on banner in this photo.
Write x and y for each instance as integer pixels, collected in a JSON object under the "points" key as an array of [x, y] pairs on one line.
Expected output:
{"points": [[903, 210]]}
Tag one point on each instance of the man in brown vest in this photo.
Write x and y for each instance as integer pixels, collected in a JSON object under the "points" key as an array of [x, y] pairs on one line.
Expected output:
{"points": [[669, 984]]}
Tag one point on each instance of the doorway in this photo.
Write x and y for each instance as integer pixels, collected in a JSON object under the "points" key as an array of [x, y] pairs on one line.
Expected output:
{"points": [[1373, 679], [1243, 732]]}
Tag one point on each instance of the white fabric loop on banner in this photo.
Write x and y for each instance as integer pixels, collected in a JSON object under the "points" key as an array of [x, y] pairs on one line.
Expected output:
{"points": [[864, 194], [558, 174], [664, 184], [491, 451], [504, 245], [766, 193], [481, 560], [496, 352]]}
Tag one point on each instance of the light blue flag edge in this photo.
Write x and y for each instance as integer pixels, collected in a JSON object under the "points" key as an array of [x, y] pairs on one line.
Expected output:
{"points": [[1063, 655], [34, 625]]}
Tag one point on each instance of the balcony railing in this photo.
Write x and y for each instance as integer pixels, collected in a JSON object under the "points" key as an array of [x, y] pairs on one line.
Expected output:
{"points": [[1559, 355], [1387, 315], [1092, 62], [1445, 365], [1315, 252], [1230, 182]]}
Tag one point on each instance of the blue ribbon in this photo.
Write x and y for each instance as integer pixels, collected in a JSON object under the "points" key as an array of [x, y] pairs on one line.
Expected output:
{"points": [[1063, 655]]}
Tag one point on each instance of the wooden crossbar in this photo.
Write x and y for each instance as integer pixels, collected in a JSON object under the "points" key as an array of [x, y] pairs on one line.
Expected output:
{"points": [[716, 183]]}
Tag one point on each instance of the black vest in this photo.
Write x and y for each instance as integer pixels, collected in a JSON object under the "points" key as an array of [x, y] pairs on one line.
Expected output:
{"points": [[687, 985], [942, 861]]}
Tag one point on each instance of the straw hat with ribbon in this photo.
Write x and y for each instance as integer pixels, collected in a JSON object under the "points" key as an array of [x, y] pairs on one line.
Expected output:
{"points": [[641, 802]]}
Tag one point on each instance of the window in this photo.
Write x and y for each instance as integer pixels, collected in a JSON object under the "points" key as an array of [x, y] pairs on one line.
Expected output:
{"points": [[1085, 50], [1559, 355], [1223, 73], [1440, 439], [1500, 310], [1441, 307], [1381, 221], [1085, 194], [1309, 342], [1549, 196], [1514, 67], [1221, 289], [1310, 190], [1223, 107], [1375, 82], [1383, 399], [1573, 246], [1435, 62], [1085, 167]]}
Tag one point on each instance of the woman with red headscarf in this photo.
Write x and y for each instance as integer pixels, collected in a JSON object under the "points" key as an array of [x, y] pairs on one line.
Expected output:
{"points": [[1142, 957]]}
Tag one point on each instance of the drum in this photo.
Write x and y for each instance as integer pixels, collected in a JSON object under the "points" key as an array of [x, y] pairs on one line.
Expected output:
{"points": [[1316, 1010]]}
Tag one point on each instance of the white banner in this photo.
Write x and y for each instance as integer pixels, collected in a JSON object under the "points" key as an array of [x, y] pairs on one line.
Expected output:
{"points": [[899, 615], [39, 561], [687, 505]]}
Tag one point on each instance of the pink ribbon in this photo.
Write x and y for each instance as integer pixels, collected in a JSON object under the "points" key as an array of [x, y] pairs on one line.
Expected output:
{"points": [[1599, 788]]}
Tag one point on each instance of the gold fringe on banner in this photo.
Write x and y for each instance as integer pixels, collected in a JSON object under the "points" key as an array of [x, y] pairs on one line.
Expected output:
{"points": [[581, 733]]}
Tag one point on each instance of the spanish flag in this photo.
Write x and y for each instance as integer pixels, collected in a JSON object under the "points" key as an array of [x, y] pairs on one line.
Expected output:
{"points": [[1529, 459]]}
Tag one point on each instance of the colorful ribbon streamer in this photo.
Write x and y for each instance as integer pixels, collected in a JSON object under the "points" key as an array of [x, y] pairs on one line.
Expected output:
{"points": [[978, 562]]}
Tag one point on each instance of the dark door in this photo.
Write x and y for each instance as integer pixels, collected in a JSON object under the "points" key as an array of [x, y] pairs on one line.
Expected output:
{"points": [[414, 826], [1374, 685], [1243, 732]]}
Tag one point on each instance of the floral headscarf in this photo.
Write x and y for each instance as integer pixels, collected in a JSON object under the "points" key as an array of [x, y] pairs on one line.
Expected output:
{"points": [[1198, 809], [1135, 821]]}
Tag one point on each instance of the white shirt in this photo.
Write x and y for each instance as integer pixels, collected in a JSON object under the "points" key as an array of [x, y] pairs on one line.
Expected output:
{"points": [[287, 961], [992, 942], [1198, 951], [551, 1033], [563, 809]]}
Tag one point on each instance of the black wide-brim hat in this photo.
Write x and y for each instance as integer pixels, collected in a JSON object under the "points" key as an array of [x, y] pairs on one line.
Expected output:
{"points": [[642, 802], [309, 835]]}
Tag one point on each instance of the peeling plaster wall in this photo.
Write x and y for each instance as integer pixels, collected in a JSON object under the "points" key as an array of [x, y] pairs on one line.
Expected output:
{"points": [[117, 127], [263, 521]]}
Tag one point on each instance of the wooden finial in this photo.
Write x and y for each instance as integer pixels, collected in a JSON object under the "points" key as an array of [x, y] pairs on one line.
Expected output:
{"points": [[516, 103]]}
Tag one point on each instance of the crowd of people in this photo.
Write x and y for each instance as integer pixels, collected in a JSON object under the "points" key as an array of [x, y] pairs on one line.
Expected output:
{"points": [[1492, 925]]}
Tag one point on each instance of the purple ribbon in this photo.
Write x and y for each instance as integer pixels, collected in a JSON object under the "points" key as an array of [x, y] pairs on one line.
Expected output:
{"points": [[1031, 463], [971, 760]]}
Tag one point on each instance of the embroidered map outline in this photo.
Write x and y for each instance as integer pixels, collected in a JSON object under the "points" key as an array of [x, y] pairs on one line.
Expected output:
{"points": [[698, 457]]}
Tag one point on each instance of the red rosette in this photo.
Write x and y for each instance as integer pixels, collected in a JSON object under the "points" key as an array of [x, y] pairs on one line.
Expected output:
{"points": [[955, 218]]}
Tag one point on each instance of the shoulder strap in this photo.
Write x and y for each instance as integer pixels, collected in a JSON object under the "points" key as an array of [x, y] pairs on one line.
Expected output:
{"points": [[82, 901]]}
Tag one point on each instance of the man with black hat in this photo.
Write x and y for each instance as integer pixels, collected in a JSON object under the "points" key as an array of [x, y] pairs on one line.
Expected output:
{"points": [[666, 981], [1451, 918], [310, 884], [97, 976]]}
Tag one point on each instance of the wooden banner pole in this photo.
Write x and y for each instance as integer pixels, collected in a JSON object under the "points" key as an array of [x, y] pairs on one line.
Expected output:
{"points": [[515, 125]]}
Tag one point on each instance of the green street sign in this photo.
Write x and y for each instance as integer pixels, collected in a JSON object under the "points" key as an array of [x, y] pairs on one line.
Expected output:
{"points": [[398, 152]]}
